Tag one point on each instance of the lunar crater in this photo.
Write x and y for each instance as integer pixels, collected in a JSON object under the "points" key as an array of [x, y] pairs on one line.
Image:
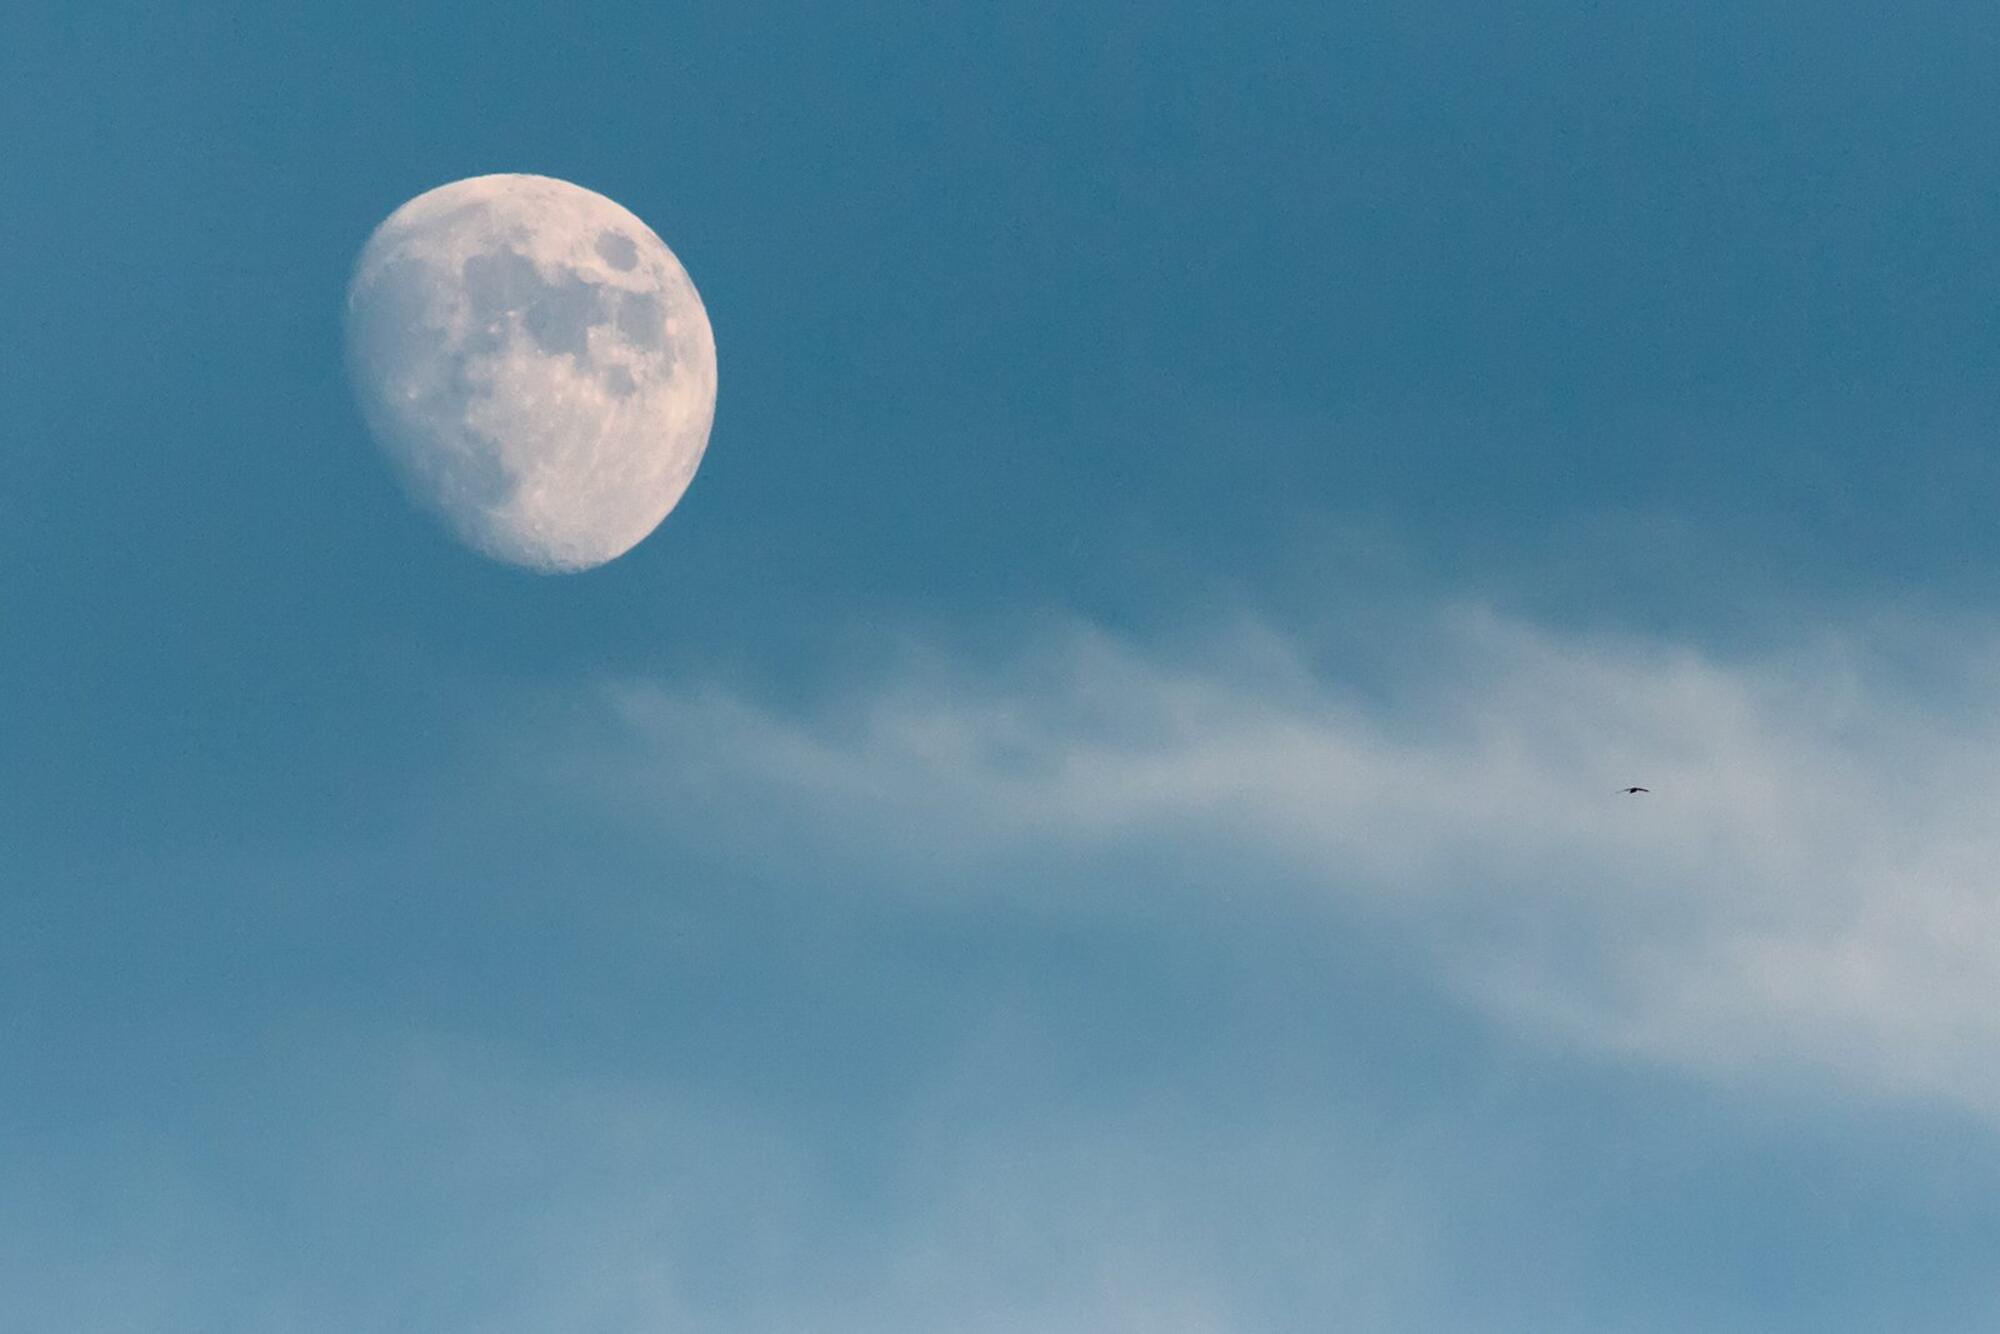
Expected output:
{"points": [[618, 250]]}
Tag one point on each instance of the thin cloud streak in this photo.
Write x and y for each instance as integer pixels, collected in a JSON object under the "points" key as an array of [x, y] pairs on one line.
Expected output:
{"points": [[1804, 891]]}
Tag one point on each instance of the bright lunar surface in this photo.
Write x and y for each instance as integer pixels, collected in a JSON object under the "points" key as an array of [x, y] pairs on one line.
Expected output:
{"points": [[536, 364]]}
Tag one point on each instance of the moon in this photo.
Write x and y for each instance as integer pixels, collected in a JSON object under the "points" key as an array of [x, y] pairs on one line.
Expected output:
{"points": [[536, 365]]}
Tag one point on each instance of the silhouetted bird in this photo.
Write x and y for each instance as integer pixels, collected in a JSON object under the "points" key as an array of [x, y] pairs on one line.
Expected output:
{"points": [[1630, 790]]}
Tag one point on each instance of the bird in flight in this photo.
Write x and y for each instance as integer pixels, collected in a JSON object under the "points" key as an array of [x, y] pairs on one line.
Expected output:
{"points": [[1630, 790]]}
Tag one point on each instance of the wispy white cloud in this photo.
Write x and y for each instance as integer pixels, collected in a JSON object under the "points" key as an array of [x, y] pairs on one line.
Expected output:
{"points": [[1807, 888]]}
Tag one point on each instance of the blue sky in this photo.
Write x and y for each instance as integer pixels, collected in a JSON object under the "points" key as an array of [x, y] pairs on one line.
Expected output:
{"points": [[1095, 812]]}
